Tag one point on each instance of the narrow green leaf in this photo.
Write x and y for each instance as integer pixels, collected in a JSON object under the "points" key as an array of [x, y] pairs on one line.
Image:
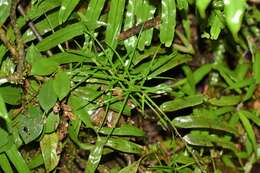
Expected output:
{"points": [[191, 83], [162, 64], [49, 146], [129, 21], [5, 6], [47, 97], [124, 145], [168, 22], [133, 168], [3, 111], [201, 72], [252, 116], [17, 160], [248, 127], [203, 122], [4, 137], [5, 164], [234, 10], [181, 103], [125, 130], [31, 124], [73, 133], [250, 91], [94, 10], [36, 161], [225, 101], [67, 57], [61, 36], [114, 21], [202, 6], [95, 156], [256, 69], [44, 67], [67, 7], [43, 26], [198, 138], [182, 4], [217, 24], [144, 11], [61, 84], [45, 6], [3, 50]]}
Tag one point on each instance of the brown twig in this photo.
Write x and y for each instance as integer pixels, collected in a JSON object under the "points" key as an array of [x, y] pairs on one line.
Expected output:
{"points": [[19, 41], [32, 27], [136, 29], [8, 44]]}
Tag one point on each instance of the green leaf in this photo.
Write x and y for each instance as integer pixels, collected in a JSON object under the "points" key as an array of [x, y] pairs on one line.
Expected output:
{"points": [[252, 116], [17, 160], [11, 95], [44, 26], [36, 161], [125, 130], [248, 127], [181, 103], [49, 146], [202, 6], [144, 11], [198, 138], [44, 67], [67, 57], [33, 54], [73, 134], [31, 124], [81, 110], [94, 10], [191, 83], [129, 21], [3, 50], [169, 62], [203, 121], [47, 97], [201, 72], [61, 36], [182, 4], [5, 164], [234, 10], [5, 6], [42, 8], [52, 123], [216, 23], [133, 168], [124, 145], [67, 7], [114, 21], [61, 84], [95, 156], [256, 69], [225, 101], [3, 111], [4, 137], [168, 22]]}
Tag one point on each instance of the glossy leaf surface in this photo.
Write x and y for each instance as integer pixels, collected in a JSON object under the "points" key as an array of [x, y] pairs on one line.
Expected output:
{"points": [[49, 146], [47, 96], [203, 122]]}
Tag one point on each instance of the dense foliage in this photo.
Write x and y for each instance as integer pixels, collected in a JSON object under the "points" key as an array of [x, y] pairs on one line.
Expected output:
{"points": [[129, 86]]}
